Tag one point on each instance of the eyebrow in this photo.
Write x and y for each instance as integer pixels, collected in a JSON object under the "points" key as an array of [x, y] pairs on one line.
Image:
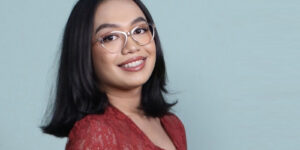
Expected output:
{"points": [[107, 25]]}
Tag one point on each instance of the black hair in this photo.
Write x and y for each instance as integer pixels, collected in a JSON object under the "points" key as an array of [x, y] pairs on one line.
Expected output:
{"points": [[77, 93]]}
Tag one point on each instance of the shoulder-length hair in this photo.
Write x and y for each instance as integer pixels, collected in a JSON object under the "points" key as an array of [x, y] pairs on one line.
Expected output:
{"points": [[77, 93]]}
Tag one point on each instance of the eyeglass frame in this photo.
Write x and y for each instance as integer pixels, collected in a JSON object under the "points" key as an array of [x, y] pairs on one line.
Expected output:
{"points": [[127, 34]]}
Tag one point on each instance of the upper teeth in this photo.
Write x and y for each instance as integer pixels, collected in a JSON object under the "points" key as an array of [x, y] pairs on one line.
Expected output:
{"points": [[133, 64]]}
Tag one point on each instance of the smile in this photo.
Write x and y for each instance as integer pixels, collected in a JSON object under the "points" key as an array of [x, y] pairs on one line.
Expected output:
{"points": [[135, 64]]}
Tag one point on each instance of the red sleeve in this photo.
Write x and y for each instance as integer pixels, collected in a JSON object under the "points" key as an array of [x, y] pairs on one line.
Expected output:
{"points": [[89, 134], [182, 132]]}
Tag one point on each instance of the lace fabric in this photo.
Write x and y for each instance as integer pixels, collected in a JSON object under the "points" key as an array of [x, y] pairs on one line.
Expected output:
{"points": [[113, 130]]}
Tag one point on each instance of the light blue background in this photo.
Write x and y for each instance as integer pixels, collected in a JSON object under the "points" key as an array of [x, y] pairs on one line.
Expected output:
{"points": [[234, 66]]}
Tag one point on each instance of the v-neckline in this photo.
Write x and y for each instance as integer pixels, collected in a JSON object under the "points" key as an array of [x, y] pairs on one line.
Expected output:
{"points": [[161, 120]]}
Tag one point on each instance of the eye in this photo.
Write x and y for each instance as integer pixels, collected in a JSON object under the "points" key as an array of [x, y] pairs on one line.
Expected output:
{"points": [[109, 38], [140, 30]]}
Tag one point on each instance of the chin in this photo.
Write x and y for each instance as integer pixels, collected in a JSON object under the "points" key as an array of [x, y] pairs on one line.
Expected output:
{"points": [[135, 83]]}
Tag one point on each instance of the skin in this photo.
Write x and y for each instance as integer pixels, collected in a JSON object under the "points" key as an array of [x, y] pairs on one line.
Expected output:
{"points": [[123, 88], [117, 83]]}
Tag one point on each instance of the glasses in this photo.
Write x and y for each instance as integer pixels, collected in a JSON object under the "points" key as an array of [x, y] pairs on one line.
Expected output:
{"points": [[115, 41]]}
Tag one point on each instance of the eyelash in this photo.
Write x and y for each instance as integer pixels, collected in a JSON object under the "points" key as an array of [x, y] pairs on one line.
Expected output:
{"points": [[104, 38], [142, 28]]}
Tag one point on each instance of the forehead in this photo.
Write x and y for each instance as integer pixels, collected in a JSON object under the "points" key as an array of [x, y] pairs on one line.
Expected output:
{"points": [[120, 12]]}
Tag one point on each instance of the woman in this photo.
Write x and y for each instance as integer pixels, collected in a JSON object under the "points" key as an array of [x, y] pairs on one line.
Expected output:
{"points": [[111, 81]]}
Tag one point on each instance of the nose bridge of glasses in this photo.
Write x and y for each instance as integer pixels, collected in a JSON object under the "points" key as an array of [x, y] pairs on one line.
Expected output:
{"points": [[132, 40], [129, 34]]}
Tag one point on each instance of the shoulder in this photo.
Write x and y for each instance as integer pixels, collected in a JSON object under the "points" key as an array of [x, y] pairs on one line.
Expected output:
{"points": [[175, 120], [91, 132], [176, 128], [88, 123]]}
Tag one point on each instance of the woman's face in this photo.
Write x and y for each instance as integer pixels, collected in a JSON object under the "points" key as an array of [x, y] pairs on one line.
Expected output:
{"points": [[121, 69]]}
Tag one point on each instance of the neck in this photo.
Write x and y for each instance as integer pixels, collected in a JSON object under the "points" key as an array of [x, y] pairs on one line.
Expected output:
{"points": [[126, 100]]}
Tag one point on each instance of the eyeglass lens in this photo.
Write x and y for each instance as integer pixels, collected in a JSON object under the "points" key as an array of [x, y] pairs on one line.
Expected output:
{"points": [[115, 41]]}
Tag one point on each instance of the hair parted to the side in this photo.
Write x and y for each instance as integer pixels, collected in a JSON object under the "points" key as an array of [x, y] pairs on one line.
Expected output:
{"points": [[77, 92]]}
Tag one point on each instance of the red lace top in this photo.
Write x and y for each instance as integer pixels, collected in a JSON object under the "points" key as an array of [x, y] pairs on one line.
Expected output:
{"points": [[113, 130]]}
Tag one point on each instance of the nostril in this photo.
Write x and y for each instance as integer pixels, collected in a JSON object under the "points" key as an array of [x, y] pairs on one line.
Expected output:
{"points": [[131, 45]]}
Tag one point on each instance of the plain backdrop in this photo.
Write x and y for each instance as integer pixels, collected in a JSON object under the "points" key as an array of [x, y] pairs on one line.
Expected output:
{"points": [[233, 66]]}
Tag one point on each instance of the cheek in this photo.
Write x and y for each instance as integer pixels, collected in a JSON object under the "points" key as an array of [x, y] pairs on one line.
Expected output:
{"points": [[102, 61], [151, 49]]}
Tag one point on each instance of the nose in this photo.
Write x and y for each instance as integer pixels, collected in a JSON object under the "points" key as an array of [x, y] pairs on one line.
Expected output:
{"points": [[130, 46]]}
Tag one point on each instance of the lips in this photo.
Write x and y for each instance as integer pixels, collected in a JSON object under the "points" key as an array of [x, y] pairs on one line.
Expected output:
{"points": [[132, 60]]}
